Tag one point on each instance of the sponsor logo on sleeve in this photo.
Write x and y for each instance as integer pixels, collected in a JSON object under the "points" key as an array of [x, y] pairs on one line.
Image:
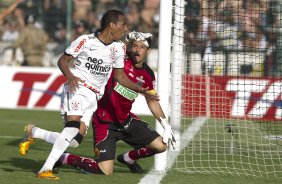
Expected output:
{"points": [[81, 43], [125, 92]]}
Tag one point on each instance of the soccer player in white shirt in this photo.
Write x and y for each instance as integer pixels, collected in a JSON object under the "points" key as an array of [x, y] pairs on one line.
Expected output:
{"points": [[95, 58]]}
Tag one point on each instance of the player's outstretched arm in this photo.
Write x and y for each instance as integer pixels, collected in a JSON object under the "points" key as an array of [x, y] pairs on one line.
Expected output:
{"points": [[156, 109]]}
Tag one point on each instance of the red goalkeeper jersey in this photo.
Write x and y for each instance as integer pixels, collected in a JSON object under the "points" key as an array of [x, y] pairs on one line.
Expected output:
{"points": [[116, 103]]}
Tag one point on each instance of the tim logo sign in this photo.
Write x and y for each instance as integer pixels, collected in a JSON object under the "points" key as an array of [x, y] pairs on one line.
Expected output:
{"points": [[31, 87], [227, 97], [29, 80]]}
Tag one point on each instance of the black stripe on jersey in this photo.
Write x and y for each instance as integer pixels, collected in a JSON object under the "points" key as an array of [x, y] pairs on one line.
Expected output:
{"points": [[67, 54], [149, 70]]}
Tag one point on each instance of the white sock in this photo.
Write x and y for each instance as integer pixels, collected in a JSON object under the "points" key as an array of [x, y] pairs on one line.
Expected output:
{"points": [[49, 136], [128, 159], [64, 158], [60, 145]]}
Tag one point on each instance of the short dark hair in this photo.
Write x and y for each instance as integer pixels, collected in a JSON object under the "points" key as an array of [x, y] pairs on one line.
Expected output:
{"points": [[109, 17], [149, 40]]}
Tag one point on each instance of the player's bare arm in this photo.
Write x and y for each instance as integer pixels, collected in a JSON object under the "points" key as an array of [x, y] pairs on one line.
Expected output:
{"points": [[63, 64], [155, 108]]}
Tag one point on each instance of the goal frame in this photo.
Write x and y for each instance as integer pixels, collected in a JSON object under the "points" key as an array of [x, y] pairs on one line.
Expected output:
{"points": [[168, 53], [171, 67], [164, 56]]}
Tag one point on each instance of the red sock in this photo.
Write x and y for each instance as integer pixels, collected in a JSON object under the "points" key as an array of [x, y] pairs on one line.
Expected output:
{"points": [[87, 165], [140, 153]]}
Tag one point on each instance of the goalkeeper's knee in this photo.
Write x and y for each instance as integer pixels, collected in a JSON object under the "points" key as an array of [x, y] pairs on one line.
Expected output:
{"points": [[76, 141], [161, 148]]}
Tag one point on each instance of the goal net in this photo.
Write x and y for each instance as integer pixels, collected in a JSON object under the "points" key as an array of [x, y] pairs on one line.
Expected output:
{"points": [[226, 87]]}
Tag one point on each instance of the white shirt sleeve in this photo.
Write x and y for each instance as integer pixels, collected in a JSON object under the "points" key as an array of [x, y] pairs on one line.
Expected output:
{"points": [[121, 50], [77, 46]]}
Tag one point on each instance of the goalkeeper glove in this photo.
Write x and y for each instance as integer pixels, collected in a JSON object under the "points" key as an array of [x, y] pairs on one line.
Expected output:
{"points": [[168, 136]]}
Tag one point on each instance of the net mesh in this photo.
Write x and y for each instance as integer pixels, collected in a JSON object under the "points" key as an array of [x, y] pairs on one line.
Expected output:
{"points": [[230, 119]]}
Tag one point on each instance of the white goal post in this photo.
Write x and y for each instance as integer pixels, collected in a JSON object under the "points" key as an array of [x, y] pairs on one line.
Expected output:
{"points": [[225, 110], [164, 70], [174, 80]]}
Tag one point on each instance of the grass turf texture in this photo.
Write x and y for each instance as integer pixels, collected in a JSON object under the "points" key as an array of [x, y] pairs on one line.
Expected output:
{"points": [[15, 168]]}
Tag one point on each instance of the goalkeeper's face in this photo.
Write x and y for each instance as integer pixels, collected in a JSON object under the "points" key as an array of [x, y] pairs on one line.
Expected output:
{"points": [[140, 49]]}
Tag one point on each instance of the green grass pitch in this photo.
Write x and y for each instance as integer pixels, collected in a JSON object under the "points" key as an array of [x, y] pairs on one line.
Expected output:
{"points": [[16, 169]]}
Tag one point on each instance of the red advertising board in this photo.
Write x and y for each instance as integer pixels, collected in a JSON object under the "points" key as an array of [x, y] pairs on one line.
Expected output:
{"points": [[226, 97], [40, 88], [232, 97]]}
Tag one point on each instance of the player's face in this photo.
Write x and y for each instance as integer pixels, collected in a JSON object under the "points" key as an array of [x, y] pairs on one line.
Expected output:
{"points": [[120, 28], [140, 49]]}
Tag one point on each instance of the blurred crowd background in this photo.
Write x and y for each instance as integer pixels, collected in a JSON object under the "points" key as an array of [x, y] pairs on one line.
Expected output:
{"points": [[228, 25], [250, 27], [51, 16], [232, 24]]}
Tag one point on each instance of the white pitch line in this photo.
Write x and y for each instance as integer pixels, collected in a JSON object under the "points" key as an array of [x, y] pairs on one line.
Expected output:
{"points": [[13, 121], [18, 137], [273, 137], [155, 177], [9, 137]]}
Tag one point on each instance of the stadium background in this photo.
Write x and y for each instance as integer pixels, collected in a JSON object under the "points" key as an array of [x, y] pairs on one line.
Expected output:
{"points": [[64, 21], [231, 38], [232, 26], [243, 38]]}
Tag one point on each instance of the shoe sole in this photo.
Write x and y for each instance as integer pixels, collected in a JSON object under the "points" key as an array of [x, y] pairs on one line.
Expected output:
{"points": [[50, 177], [27, 139], [28, 133], [122, 161]]}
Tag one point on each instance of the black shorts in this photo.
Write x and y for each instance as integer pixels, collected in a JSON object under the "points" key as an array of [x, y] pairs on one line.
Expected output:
{"points": [[135, 132]]}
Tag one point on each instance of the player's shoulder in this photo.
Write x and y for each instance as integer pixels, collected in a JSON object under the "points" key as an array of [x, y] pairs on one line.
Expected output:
{"points": [[120, 46], [128, 61], [91, 36], [86, 37], [119, 42], [149, 71]]}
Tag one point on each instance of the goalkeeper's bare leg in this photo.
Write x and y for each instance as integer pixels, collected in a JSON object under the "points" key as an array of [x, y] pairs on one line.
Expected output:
{"points": [[105, 148], [130, 158], [88, 165]]}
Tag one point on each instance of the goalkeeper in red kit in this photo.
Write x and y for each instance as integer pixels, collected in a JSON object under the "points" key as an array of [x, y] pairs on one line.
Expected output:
{"points": [[113, 120]]}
